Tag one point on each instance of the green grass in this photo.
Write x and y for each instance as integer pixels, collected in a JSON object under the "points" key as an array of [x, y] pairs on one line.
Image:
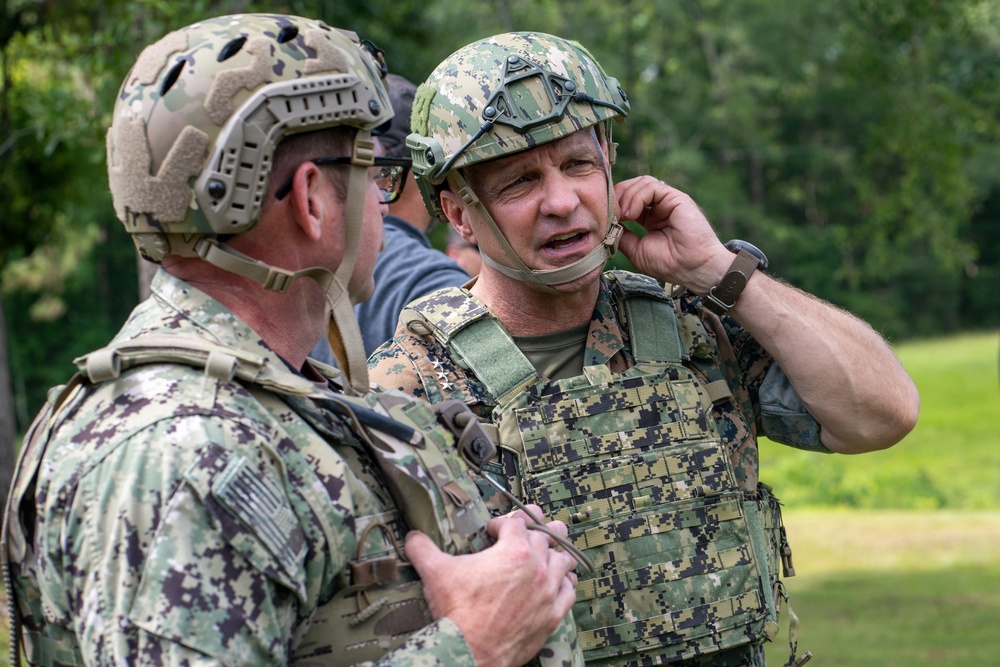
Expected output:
{"points": [[884, 588], [914, 582], [951, 460]]}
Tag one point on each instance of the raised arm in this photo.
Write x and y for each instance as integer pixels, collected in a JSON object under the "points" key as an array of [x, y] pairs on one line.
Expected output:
{"points": [[844, 372]]}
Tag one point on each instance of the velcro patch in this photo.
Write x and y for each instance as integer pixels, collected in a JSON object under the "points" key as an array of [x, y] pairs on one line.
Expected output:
{"points": [[258, 503]]}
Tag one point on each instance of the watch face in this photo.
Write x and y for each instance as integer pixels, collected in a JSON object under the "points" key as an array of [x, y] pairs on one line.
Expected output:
{"points": [[736, 245]]}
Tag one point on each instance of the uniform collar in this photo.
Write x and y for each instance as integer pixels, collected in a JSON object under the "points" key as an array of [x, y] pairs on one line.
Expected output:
{"points": [[178, 307], [605, 338]]}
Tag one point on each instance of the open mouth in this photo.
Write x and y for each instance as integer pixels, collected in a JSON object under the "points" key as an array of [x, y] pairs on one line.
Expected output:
{"points": [[566, 241]]}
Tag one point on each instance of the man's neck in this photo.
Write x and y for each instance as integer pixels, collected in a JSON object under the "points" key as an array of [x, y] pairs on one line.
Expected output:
{"points": [[271, 315], [411, 215], [528, 310]]}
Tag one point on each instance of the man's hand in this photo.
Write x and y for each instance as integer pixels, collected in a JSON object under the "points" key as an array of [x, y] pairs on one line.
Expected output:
{"points": [[680, 246], [507, 599], [819, 347]]}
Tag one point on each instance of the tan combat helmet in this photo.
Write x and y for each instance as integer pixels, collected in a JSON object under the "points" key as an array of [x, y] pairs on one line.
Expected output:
{"points": [[503, 95], [194, 130]]}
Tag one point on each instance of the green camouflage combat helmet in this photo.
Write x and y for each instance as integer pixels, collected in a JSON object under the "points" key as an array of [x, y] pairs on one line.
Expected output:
{"points": [[503, 95], [196, 124]]}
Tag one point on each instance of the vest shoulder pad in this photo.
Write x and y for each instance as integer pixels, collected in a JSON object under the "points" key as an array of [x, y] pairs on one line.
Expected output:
{"points": [[626, 284], [218, 361], [442, 313]]}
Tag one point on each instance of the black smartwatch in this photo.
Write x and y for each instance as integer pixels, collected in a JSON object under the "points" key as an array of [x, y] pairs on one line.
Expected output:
{"points": [[749, 258]]}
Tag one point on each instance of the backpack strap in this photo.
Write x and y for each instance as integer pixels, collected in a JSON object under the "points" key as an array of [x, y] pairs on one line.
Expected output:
{"points": [[219, 362]]}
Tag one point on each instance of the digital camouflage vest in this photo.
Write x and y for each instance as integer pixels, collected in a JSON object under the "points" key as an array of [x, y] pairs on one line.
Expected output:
{"points": [[380, 603], [686, 563]]}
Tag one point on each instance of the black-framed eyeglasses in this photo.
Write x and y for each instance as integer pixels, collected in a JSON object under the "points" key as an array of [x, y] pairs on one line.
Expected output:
{"points": [[390, 176]]}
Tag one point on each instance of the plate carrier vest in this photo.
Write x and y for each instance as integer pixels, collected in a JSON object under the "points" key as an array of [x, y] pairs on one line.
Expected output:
{"points": [[383, 602], [686, 563]]}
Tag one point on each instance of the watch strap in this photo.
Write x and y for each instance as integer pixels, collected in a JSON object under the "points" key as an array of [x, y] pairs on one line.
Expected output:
{"points": [[723, 296]]}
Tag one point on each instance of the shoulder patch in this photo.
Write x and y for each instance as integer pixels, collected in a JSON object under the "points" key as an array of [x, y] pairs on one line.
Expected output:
{"points": [[253, 513]]}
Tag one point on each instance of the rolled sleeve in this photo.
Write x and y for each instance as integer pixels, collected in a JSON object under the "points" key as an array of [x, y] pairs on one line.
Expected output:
{"points": [[783, 415]]}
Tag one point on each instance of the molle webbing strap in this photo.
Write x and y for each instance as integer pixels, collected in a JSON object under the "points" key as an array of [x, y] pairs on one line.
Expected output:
{"points": [[659, 572], [700, 471], [685, 623], [616, 530], [494, 358], [635, 397]]}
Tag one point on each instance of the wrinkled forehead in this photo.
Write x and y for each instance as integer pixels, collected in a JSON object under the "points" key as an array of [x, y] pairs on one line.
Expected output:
{"points": [[581, 144]]}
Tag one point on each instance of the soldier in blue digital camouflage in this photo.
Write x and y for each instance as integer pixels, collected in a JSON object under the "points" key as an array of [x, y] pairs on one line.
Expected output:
{"points": [[628, 409], [200, 493]]}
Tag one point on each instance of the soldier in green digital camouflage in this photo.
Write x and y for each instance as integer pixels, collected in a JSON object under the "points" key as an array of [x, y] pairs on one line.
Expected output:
{"points": [[200, 493], [628, 409]]}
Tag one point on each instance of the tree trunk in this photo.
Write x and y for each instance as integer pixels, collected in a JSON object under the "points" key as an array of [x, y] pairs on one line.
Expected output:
{"points": [[8, 429]]}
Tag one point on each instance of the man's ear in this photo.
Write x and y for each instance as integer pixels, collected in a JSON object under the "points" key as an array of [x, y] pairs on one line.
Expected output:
{"points": [[308, 206], [458, 212]]}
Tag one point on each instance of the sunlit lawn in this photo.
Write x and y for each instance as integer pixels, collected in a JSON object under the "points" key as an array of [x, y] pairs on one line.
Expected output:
{"points": [[951, 460], [893, 586], [887, 588]]}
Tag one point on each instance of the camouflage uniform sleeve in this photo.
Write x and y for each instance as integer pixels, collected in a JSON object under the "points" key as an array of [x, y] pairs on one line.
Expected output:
{"points": [[439, 644], [150, 552], [226, 570], [783, 415], [390, 367]]}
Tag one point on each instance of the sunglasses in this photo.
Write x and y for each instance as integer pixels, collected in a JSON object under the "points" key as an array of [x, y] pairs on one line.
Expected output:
{"points": [[390, 176]]}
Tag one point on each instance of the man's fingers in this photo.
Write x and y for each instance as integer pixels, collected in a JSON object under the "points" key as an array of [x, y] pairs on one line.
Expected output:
{"points": [[421, 552], [559, 528], [566, 593]]}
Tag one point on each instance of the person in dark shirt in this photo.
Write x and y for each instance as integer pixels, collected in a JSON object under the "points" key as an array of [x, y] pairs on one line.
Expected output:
{"points": [[408, 266]]}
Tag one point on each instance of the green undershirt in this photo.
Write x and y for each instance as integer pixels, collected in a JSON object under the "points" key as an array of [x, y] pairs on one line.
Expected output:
{"points": [[556, 356]]}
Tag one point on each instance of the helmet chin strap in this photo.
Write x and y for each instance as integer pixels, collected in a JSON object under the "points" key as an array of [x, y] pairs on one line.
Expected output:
{"points": [[595, 259], [343, 331]]}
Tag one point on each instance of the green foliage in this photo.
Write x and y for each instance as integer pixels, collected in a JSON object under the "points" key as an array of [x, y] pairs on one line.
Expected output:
{"points": [[855, 141]]}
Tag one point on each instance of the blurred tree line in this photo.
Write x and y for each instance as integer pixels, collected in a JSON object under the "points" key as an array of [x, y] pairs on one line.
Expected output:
{"points": [[855, 141]]}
